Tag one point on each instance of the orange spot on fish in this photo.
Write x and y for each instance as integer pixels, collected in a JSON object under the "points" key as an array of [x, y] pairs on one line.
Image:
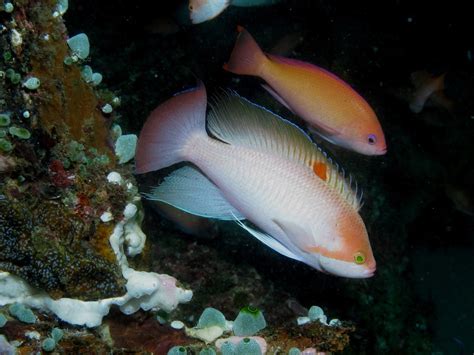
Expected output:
{"points": [[320, 169]]}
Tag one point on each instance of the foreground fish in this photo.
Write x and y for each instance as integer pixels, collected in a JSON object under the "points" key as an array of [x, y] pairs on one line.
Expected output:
{"points": [[261, 168], [319, 97]]}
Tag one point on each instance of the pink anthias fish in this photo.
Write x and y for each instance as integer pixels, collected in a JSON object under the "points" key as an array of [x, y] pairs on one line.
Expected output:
{"points": [[327, 103], [258, 167]]}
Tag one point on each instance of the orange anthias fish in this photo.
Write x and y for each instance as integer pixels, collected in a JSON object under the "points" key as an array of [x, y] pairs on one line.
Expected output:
{"points": [[260, 167], [319, 97]]}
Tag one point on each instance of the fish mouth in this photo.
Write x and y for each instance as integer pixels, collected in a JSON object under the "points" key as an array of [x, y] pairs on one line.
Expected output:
{"points": [[381, 151], [369, 272], [346, 269]]}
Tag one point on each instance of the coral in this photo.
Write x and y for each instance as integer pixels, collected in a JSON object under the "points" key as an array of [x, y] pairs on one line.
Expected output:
{"points": [[227, 348], [316, 313], [249, 321], [48, 344], [3, 320], [211, 317], [242, 345], [79, 45], [57, 334], [125, 147], [32, 83], [248, 346], [177, 350], [22, 313], [58, 263], [56, 253], [5, 347]]}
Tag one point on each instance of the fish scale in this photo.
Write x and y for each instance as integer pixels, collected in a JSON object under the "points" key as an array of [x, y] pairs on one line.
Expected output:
{"points": [[276, 182]]}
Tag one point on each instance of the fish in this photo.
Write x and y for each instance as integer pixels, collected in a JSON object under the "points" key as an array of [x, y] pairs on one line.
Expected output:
{"points": [[256, 167], [428, 87], [461, 198], [204, 10], [325, 102], [252, 3]]}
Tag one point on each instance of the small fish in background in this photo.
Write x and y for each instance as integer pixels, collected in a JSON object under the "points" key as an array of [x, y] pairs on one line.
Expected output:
{"points": [[428, 87], [461, 198], [205, 10], [186, 222], [327, 103], [258, 167], [252, 3]]}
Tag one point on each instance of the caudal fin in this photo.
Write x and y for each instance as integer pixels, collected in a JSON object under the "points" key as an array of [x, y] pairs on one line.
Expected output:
{"points": [[246, 58], [164, 135], [425, 86]]}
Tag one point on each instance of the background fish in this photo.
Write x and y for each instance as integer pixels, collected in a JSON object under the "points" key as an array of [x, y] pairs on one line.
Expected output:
{"points": [[250, 3], [428, 87], [261, 168], [319, 97], [205, 10]]}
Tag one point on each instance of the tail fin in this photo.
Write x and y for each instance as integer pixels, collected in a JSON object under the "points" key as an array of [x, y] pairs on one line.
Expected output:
{"points": [[425, 86], [167, 129], [246, 57]]}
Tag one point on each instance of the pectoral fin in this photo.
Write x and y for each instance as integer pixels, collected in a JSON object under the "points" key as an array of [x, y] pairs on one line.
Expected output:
{"points": [[270, 241], [297, 234]]}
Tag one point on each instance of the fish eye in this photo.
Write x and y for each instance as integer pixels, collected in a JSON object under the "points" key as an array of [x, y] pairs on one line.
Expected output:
{"points": [[359, 258], [372, 139], [190, 7]]}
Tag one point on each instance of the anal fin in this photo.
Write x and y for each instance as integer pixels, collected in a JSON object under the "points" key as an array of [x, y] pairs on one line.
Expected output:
{"points": [[189, 190]]}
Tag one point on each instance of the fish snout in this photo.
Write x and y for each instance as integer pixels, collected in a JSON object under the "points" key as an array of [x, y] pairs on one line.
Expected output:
{"points": [[382, 150], [346, 268], [369, 272]]}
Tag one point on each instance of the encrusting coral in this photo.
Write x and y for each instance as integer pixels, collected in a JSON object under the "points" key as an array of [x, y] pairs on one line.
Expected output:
{"points": [[66, 229]]}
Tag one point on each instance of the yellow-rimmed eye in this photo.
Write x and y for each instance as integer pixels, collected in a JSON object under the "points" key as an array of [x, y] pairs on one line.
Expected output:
{"points": [[359, 258]]}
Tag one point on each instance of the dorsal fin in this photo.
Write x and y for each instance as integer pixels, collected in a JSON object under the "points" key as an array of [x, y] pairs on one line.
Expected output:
{"points": [[237, 121]]}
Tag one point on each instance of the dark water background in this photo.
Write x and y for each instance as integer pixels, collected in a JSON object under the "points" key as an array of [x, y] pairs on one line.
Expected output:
{"points": [[422, 234]]}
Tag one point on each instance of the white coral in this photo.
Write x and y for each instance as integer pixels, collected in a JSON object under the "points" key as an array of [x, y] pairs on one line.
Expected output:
{"points": [[145, 290]]}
